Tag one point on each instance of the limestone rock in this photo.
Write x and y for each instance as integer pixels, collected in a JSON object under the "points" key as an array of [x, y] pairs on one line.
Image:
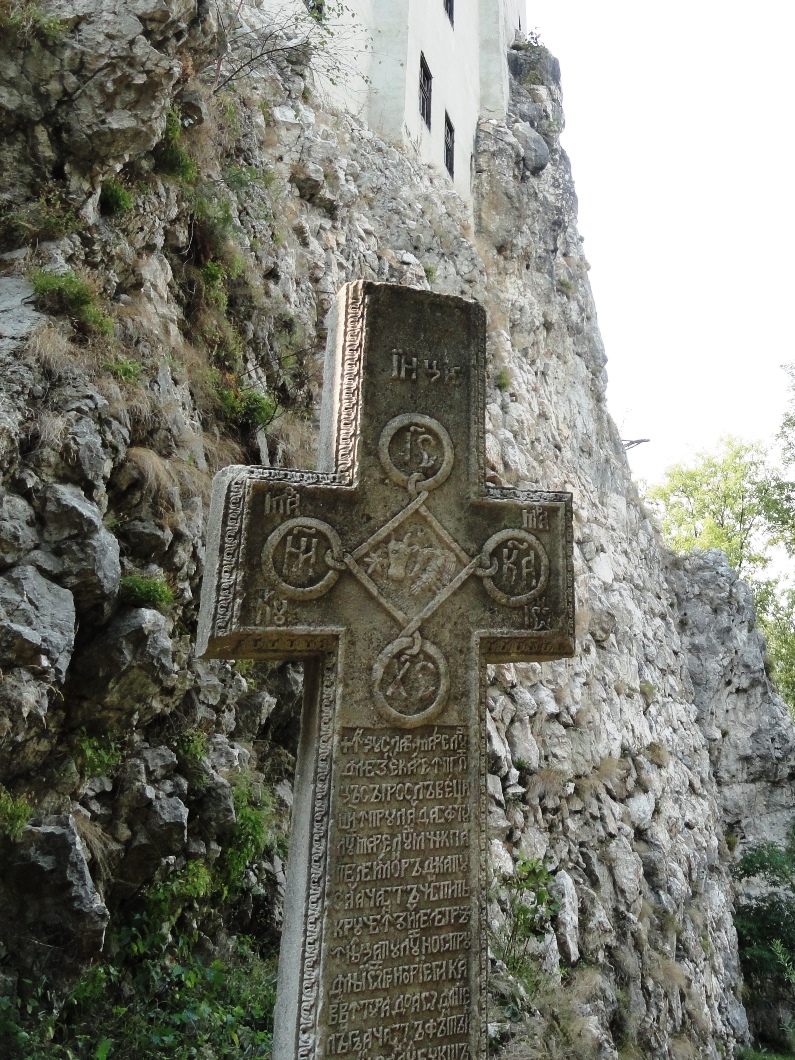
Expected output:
{"points": [[127, 667], [48, 896], [37, 622], [18, 534], [534, 146]]}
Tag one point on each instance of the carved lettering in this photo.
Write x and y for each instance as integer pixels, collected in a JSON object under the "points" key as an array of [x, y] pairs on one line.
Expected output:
{"points": [[287, 503], [403, 916], [538, 619], [535, 518], [413, 368]]}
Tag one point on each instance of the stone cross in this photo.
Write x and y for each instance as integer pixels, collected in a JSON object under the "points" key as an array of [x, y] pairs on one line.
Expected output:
{"points": [[396, 572]]}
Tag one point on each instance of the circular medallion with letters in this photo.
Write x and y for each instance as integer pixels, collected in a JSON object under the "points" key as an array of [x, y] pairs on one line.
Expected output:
{"points": [[302, 558]]}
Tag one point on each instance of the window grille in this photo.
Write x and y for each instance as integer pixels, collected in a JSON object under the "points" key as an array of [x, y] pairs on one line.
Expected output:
{"points": [[449, 10], [449, 144], [426, 81]]}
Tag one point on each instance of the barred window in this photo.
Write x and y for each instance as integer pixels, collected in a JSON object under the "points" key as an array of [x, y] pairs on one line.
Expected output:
{"points": [[426, 81], [449, 10], [449, 144]]}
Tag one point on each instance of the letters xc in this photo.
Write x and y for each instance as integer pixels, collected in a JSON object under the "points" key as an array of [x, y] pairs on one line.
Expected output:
{"points": [[395, 571]]}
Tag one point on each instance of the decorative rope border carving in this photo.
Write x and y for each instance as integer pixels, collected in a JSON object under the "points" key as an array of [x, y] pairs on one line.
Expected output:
{"points": [[350, 396], [227, 600], [483, 854], [316, 901]]}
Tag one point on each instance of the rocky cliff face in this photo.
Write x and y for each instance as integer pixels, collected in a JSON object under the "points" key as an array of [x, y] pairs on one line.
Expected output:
{"points": [[204, 295]]}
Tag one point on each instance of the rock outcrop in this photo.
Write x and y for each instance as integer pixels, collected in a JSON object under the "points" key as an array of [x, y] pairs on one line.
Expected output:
{"points": [[621, 769]]}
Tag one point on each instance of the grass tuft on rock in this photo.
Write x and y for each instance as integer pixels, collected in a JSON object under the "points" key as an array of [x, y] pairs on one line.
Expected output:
{"points": [[138, 590], [72, 295], [114, 198]]}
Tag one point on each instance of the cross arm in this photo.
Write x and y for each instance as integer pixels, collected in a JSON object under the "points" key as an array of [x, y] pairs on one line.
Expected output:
{"points": [[272, 554]]}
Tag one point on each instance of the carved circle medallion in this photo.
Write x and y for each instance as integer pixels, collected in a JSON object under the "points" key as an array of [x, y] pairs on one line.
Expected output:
{"points": [[416, 452], [302, 558], [411, 682], [516, 567]]}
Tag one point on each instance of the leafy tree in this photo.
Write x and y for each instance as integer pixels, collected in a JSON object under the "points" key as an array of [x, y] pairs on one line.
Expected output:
{"points": [[722, 500], [738, 500]]}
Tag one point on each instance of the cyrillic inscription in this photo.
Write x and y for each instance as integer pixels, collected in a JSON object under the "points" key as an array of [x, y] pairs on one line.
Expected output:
{"points": [[400, 930]]}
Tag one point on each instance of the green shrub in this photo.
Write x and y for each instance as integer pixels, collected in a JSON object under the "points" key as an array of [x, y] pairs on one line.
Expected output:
{"points": [[114, 198], [247, 409], [430, 273], [50, 216], [70, 294], [124, 369], [31, 20], [170, 157], [503, 379], [97, 756], [529, 906], [14, 814], [567, 287], [138, 590]]}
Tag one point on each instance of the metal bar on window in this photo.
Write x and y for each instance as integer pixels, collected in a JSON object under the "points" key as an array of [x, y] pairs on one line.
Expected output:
{"points": [[426, 81], [449, 145]]}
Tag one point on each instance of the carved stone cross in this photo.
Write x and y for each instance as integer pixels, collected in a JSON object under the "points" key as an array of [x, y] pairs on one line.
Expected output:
{"points": [[396, 572]]}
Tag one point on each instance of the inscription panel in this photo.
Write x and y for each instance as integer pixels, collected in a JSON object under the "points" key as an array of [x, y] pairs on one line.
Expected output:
{"points": [[402, 901]]}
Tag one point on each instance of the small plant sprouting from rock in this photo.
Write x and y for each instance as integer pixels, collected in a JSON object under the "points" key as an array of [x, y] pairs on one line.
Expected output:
{"points": [[125, 369], [114, 198], [246, 408], [97, 756], [529, 906], [31, 20], [50, 216], [502, 380], [171, 158], [15, 813], [138, 590], [430, 273], [68, 293], [567, 287]]}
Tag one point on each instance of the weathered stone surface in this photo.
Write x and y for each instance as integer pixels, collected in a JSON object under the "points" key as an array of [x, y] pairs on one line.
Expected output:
{"points": [[37, 621], [536, 152], [18, 534], [48, 897], [127, 667], [381, 216], [422, 574], [89, 554]]}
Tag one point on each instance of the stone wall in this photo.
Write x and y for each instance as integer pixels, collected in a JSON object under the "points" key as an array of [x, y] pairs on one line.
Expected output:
{"points": [[622, 769]]}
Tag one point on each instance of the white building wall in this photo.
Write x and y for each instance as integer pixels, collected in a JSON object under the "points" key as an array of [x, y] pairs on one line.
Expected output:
{"points": [[374, 58]]}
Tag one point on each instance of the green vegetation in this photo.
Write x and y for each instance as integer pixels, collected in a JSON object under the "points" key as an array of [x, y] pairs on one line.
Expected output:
{"points": [[720, 501], [68, 293], [30, 21], [114, 198], [97, 756], [738, 500], [156, 993], [528, 907], [430, 273], [14, 814], [171, 158], [247, 409], [138, 590], [49, 216], [125, 369], [766, 931], [567, 287], [502, 380]]}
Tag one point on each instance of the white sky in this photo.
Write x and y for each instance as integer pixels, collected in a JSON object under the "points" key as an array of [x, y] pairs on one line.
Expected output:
{"points": [[680, 131]]}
